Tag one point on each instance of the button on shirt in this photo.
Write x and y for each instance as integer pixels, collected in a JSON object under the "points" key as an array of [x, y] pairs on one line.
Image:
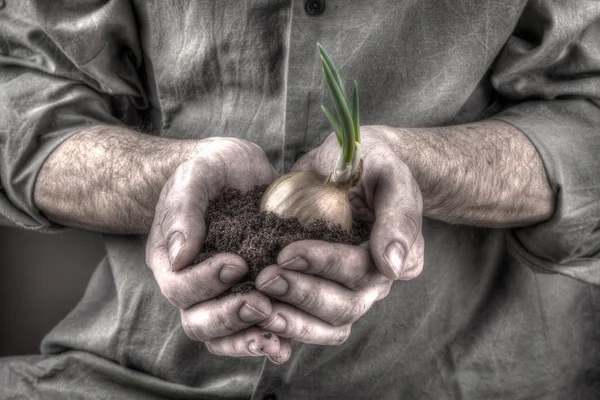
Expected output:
{"points": [[505, 313], [315, 7]]}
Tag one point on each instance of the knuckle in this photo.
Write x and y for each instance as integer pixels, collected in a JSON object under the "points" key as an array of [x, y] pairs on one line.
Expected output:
{"points": [[356, 311], [182, 173], [384, 292], [194, 288], [331, 267], [223, 325], [172, 295], [409, 222], [191, 168], [191, 329], [233, 347], [169, 211], [402, 169], [182, 293], [359, 282], [342, 335], [309, 299], [302, 333], [350, 313]]}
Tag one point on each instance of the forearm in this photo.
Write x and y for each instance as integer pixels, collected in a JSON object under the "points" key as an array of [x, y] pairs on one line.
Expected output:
{"points": [[108, 178], [483, 174]]}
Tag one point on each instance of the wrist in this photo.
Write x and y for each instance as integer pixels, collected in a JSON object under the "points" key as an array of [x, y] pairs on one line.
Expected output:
{"points": [[108, 178], [157, 166], [484, 174], [416, 149]]}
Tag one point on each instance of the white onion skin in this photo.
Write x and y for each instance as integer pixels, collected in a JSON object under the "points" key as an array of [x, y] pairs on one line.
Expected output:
{"points": [[308, 196]]}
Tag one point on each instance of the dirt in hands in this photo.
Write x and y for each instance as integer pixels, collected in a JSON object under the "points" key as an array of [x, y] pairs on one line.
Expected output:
{"points": [[235, 225]]}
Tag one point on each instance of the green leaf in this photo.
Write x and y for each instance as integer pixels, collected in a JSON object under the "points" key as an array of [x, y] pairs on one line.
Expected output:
{"points": [[343, 111], [355, 117], [334, 71], [337, 128]]}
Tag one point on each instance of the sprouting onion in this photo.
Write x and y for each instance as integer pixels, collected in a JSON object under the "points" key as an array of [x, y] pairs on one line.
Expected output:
{"points": [[308, 195]]}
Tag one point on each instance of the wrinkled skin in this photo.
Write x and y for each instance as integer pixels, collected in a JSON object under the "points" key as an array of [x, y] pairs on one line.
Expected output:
{"points": [[226, 325], [323, 288]]}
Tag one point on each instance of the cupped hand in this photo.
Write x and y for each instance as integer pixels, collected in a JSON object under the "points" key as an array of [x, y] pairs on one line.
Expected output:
{"points": [[225, 324], [323, 288]]}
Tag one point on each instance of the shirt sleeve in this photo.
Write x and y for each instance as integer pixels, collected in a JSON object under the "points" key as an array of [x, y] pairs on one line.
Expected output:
{"points": [[64, 66], [550, 69]]}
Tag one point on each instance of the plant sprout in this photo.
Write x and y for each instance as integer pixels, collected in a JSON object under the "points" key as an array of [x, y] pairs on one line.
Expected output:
{"points": [[347, 129], [308, 195]]}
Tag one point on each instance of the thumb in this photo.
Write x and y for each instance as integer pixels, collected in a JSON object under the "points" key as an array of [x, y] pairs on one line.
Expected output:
{"points": [[397, 205], [305, 163], [321, 159], [180, 210]]}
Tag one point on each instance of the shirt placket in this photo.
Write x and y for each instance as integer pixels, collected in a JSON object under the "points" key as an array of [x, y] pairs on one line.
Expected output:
{"points": [[301, 78]]}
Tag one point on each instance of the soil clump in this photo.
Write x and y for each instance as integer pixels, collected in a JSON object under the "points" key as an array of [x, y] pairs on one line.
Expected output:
{"points": [[235, 225]]}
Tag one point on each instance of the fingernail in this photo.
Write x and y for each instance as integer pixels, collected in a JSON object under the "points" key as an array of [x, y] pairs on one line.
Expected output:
{"points": [[296, 264], [394, 254], [276, 359], [275, 287], [254, 349], [231, 273], [176, 243], [277, 325], [248, 313]]}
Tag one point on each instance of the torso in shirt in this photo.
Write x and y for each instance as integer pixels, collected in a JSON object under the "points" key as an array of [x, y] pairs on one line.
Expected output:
{"points": [[250, 69]]}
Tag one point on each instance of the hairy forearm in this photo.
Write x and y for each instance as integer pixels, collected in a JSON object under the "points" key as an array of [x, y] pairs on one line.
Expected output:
{"points": [[108, 178], [484, 174]]}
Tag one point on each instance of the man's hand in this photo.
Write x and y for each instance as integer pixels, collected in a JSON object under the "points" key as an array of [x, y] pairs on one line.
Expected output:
{"points": [[324, 288], [109, 179], [176, 237], [483, 174]]}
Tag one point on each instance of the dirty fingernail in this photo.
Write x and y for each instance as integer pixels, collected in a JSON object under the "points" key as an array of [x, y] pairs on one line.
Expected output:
{"points": [[277, 360], [231, 273], [276, 286], [296, 264], [394, 254], [176, 243], [249, 313], [277, 325], [254, 349]]}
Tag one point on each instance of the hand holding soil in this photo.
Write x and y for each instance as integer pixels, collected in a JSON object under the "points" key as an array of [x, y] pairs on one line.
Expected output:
{"points": [[225, 324], [324, 287], [388, 196]]}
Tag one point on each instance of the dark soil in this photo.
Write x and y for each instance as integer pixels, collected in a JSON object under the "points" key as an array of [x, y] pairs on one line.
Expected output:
{"points": [[235, 225]]}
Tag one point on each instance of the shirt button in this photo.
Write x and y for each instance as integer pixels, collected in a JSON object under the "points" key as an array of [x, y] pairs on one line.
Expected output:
{"points": [[315, 7], [270, 396]]}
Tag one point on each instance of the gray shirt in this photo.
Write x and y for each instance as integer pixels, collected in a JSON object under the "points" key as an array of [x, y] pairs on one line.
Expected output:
{"points": [[495, 314]]}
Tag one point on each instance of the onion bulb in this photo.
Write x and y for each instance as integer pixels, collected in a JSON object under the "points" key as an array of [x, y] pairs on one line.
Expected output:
{"points": [[308, 195]]}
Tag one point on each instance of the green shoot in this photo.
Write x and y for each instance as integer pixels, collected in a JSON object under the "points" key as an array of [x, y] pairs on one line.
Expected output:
{"points": [[347, 124], [336, 75], [343, 112], [355, 118], [337, 128]]}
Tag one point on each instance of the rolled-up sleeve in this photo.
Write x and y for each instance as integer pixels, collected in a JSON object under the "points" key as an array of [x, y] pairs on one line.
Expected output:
{"points": [[62, 69], [550, 69]]}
